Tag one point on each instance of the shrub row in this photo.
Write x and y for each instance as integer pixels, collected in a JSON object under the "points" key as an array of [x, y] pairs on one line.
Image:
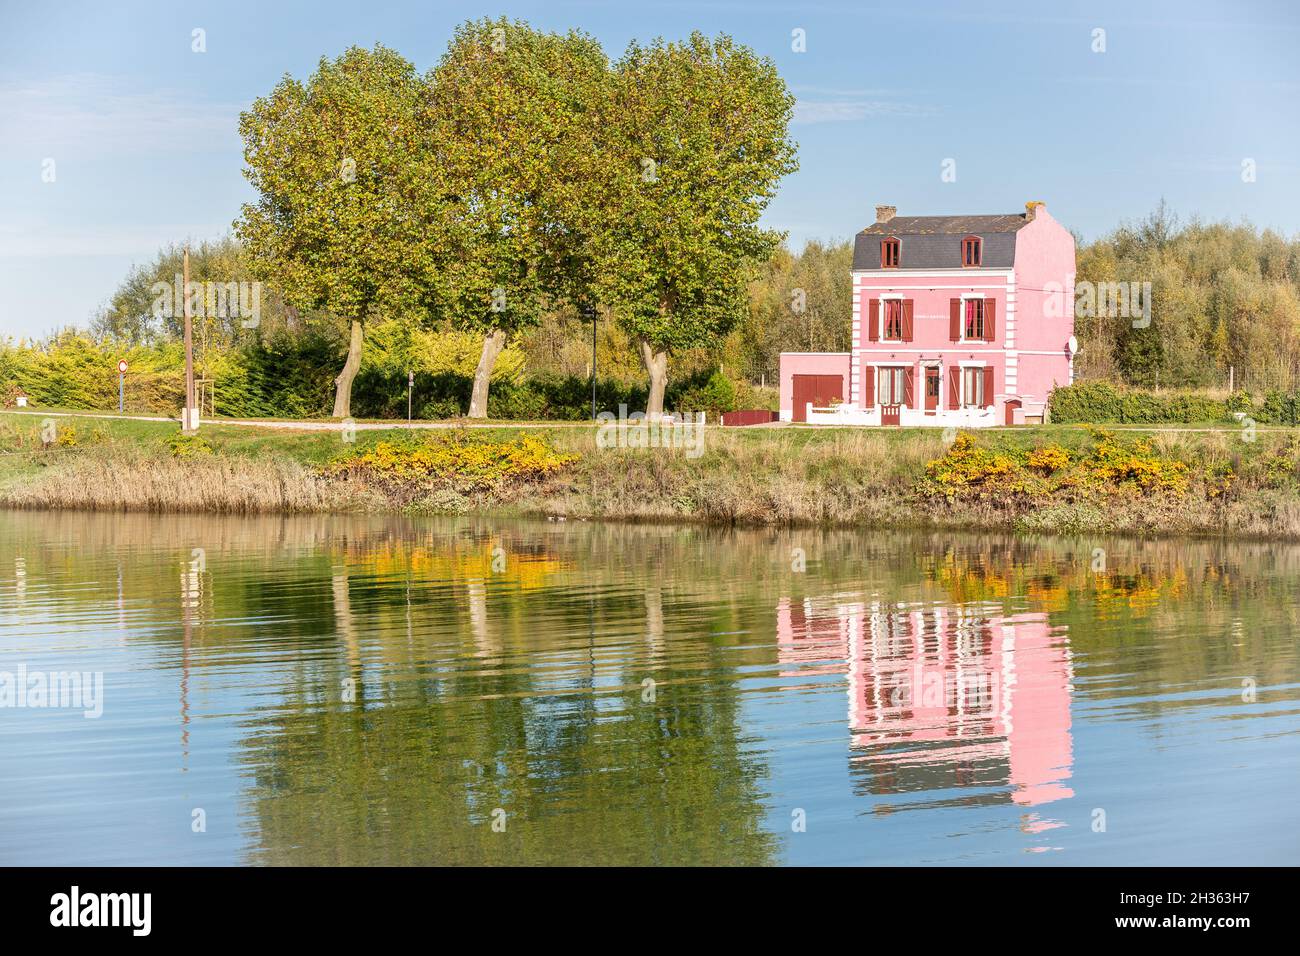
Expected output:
{"points": [[293, 377], [1100, 403]]}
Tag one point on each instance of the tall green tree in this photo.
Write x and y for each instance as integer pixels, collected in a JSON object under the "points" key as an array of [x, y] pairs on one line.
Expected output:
{"points": [[509, 109], [349, 201], [694, 142]]}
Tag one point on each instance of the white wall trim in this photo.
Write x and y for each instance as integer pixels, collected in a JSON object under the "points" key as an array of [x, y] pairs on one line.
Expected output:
{"points": [[980, 273], [947, 348]]}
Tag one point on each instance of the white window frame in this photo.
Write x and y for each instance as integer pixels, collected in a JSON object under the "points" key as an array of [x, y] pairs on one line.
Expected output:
{"points": [[961, 324], [964, 368], [879, 317]]}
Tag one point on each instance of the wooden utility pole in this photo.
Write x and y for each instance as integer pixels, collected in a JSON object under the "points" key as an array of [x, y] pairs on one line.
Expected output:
{"points": [[591, 313], [188, 418]]}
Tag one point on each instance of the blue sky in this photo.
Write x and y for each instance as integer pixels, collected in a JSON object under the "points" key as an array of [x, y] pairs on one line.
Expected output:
{"points": [[142, 130]]}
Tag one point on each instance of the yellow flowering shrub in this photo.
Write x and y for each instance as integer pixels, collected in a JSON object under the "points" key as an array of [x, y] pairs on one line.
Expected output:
{"points": [[453, 461], [1048, 460], [967, 465], [969, 470], [1113, 464]]}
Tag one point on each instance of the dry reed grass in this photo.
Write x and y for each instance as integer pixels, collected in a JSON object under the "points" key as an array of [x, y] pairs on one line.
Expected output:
{"points": [[208, 484]]}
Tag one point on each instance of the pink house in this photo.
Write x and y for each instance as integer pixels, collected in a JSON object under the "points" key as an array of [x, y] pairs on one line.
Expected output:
{"points": [[957, 321]]}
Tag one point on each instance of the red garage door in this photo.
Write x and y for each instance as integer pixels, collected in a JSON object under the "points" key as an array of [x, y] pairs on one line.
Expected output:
{"points": [[821, 390]]}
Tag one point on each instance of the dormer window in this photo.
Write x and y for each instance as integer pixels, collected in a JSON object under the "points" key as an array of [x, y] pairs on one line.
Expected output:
{"points": [[972, 252], [889, 253]]}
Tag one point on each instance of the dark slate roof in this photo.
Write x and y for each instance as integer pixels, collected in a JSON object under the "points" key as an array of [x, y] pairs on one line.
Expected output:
{"points": [[934, 242]]}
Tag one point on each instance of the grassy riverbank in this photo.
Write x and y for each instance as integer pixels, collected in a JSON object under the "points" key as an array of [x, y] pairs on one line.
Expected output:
{"points": [[1065, 479]]}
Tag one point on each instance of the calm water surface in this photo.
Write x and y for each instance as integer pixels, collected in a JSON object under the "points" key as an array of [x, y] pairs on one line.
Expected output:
{"points": [[332, 690]]}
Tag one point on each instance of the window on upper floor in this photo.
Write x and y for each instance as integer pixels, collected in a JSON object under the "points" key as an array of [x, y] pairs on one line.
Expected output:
{"points": [[973, 320], [972, 251], [889, 253], [892, 320]]}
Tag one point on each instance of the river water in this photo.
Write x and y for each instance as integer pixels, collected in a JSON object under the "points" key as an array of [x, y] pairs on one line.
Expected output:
{"points": [[347, 690]]}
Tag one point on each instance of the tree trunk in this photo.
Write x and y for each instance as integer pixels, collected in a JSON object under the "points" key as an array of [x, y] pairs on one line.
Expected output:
{"points": [[493, 343], [656, 364], [343, 384]]}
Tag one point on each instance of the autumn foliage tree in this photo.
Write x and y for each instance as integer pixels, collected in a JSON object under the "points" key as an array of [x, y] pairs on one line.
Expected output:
{"points": [[347, 196], [694, 140], [509, 109]]}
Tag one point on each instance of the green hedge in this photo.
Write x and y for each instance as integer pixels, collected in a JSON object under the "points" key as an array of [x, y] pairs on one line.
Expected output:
{"points": [[1100, 403]]}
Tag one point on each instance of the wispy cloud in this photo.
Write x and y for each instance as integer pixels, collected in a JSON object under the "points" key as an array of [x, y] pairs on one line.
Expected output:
{"points": [[92, 111], [848, 109]]}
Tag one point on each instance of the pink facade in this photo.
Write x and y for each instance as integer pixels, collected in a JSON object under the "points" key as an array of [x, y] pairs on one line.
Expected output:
{"points": [[957, 321], [810, 364]]}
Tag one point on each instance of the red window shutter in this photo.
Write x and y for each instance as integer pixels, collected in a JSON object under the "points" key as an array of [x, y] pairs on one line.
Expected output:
{"points": [[870, 394], [908, 400], [954, 387], [872, 319], [954, 320], [990, 308], [907, 320], [988, 386]]}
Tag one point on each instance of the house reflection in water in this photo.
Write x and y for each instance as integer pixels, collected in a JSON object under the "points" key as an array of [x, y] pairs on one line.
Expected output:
{"points": [[943, 697]]}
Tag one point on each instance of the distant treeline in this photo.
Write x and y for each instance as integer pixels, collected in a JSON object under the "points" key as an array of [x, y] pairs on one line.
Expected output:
{"points": [[1224, 297]]}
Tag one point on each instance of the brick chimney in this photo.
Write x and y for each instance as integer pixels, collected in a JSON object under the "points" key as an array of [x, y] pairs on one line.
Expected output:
{"points": [[886, 213], [1031, 207]]}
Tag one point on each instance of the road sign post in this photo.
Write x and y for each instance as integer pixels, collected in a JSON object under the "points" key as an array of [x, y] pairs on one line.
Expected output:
{"points": [[410, 388], [121, 386]]}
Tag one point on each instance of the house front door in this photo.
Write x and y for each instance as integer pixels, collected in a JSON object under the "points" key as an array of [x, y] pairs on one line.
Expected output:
{"points": [[931, 390]]}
